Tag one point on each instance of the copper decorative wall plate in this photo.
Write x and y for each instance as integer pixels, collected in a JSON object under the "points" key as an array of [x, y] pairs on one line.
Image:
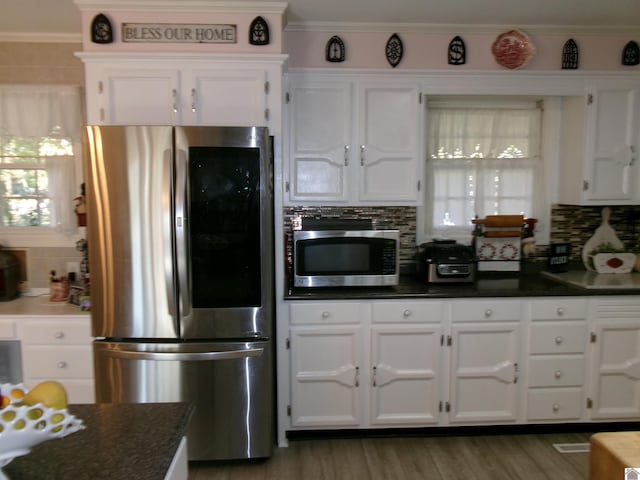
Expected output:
{"points": [[513, 49]]}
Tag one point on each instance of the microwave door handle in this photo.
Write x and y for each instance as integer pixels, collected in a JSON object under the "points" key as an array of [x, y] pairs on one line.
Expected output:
{"points": [[184, 356], [181, 226]]}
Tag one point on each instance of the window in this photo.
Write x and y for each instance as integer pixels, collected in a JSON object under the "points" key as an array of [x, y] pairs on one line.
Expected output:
{"points": [[483, 158], [40, 129]]}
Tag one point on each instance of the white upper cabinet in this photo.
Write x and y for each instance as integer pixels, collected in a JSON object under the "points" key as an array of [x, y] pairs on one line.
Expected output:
{"points": [[599, 147], [354, 141], [169, 90]]}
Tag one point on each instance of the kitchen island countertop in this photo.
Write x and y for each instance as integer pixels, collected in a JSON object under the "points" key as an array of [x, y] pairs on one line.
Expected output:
{"points": [[487, 284], [132, 441]]}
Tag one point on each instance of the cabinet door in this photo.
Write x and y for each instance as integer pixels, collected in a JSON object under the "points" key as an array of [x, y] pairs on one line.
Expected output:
{"points": [[326, 368], [389, 143], [135, 96], [320, 140], [223, 96], [484, 372], [616, 369], [405, 374], [613, 121]]}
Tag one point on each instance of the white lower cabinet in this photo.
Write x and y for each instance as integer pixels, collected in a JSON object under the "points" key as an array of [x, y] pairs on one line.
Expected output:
{"points": [[615, 369], [459, 362], [55, 349]]}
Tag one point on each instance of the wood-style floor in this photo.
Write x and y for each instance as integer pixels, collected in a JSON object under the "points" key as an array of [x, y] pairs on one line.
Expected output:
{"points": [[487, 457]]}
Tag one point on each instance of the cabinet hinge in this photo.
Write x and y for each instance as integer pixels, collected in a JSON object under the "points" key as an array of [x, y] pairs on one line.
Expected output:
{"points": [[589, 403], [440, 406], [590, 99], [420, 98], [100, 87], [585, 185], [266, 88], [593, 337], [286, 186], [266, 114], [288, 410], [419, 185], [288, 343], [287, 97]]}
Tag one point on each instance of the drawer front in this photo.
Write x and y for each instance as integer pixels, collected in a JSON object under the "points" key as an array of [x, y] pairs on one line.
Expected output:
{"points": [[408, 312], [556, 337], [554, 404], [558, 309], [325, 313], [7, 329], [58, 362], [50, 332], [556, 371], [486, 310]]}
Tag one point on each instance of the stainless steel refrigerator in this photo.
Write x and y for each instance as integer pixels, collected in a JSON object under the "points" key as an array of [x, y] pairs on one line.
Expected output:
{"points": [[180, 232]]}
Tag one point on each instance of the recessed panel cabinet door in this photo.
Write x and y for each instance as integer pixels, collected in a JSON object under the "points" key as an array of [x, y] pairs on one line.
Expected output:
{"points": [[389, 148], [405, 374], [320, 141], [616, 367], [326, 376], [484, 372]]}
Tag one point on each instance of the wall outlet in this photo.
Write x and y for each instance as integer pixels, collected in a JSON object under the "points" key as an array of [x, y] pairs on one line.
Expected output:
{"points": [[73, 267]]}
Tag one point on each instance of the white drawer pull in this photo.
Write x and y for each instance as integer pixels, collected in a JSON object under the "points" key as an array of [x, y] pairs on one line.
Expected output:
{"points": [[558, 373], [560, 311], [488, 312], [406, 313], [559, 340], [555, 407], [59, 335], [61, 364], [325, 314]]}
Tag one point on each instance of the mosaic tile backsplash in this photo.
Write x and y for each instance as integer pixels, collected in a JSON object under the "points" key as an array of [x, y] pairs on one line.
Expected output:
{"points": [[569, 223]]}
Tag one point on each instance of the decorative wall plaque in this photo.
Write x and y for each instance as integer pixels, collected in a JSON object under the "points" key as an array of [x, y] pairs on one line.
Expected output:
{"points": [[259, 32], [101, 30], [457, 51], [570, 55], [335, 51], [631, 54], [394, 50], [178, 33]]}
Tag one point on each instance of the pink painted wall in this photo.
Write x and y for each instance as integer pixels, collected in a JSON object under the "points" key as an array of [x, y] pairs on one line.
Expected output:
{"points": [[424, 50]]}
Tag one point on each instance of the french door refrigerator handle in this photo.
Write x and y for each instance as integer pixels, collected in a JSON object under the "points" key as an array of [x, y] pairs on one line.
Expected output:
{"points": [[181, 229], [167, 235], [184, 356]]}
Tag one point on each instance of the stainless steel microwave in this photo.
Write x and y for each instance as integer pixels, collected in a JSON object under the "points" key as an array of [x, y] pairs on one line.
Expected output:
{"points": [[336, 258]]}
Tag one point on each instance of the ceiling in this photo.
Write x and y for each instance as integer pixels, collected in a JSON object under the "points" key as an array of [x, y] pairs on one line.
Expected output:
{"points": [[61, 17]]}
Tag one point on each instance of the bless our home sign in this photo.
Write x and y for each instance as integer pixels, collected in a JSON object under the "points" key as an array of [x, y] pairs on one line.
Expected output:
{"points": [[178, 33]]}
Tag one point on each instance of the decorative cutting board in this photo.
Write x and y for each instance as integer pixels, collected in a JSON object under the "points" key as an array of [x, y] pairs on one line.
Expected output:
{"points": [[604, 238]]}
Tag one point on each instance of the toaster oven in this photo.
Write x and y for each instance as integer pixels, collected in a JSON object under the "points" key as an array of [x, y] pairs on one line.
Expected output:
{"points": [[445, 261]]}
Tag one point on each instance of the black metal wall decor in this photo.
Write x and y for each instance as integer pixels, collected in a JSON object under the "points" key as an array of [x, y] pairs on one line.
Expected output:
{"points": [[394, 50], [570, 55], [101, 30], [335, 51], [457, 51], [259, 32], [631, 54]]}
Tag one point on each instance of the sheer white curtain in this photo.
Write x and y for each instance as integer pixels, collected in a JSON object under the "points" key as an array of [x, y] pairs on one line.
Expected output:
{"points": [[36, 111], [481, 161]]}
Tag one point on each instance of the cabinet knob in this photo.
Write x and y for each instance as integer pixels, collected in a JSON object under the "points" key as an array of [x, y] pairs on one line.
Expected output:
{"points": [[559, 340], [555, 407], [325, 314], [58, 335], [560, 311], [406, 313], [558, 373], [488, 312], [61, 364]]}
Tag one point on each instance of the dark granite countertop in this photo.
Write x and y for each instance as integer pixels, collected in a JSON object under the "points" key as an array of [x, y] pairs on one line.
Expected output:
{"points": [[124, 441], [487, 284]]}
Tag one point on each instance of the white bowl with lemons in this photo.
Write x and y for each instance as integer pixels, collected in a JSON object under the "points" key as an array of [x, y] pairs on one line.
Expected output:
{"points": [[30, 417]]}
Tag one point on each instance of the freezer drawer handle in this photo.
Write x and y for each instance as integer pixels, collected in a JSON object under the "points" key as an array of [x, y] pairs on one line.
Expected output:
{"points": [[186, 356]]}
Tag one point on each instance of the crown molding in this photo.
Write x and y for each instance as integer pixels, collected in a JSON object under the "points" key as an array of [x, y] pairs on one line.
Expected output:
{"points": [[183, 6]]}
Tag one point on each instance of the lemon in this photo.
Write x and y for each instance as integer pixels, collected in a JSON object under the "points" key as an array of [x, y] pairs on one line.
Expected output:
{"points": [[50, 393]]}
